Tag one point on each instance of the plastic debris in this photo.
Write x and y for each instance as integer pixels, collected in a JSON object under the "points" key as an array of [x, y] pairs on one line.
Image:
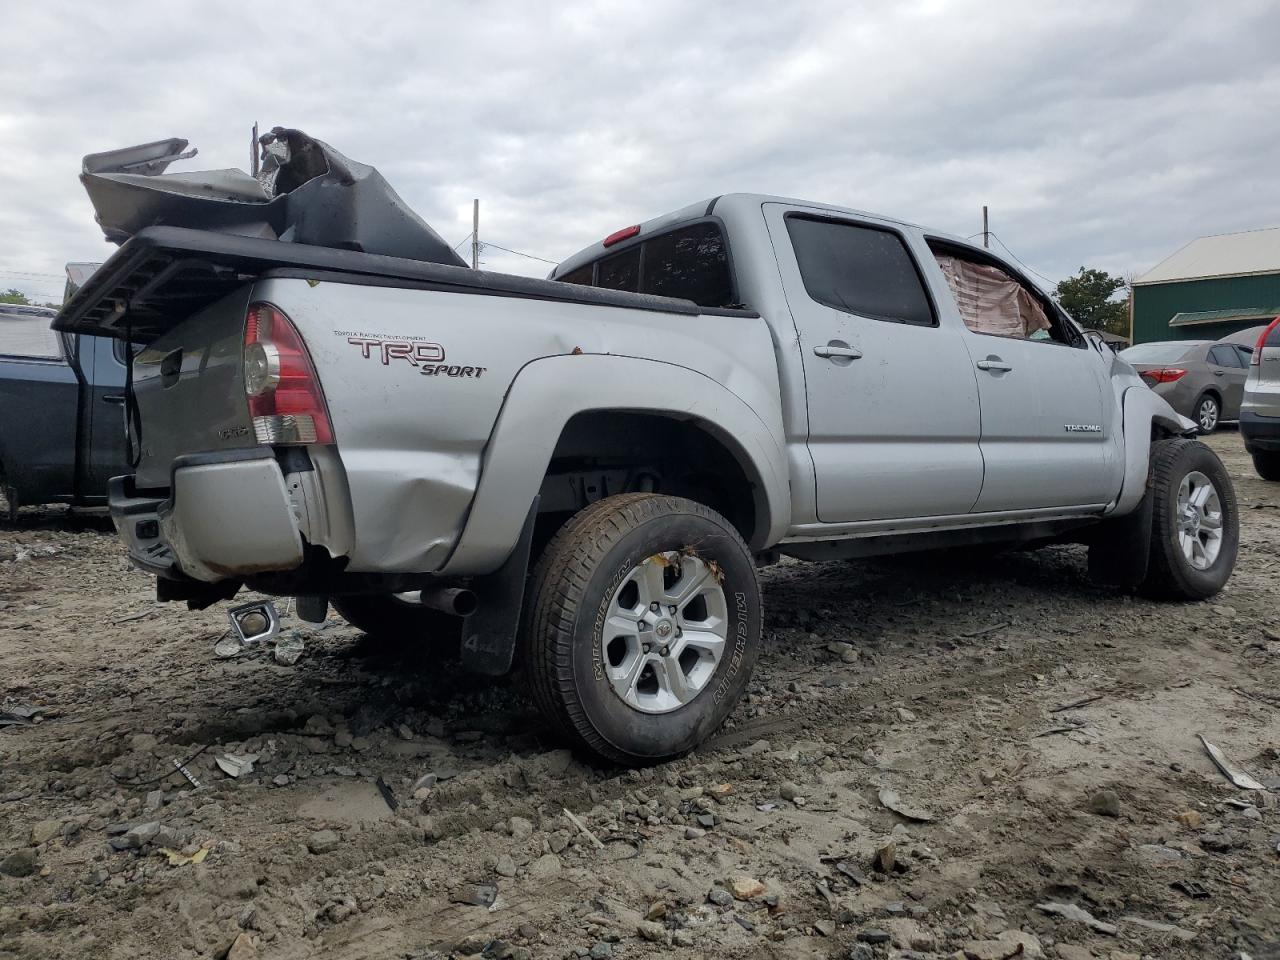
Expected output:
{"points": [[20, 714], [179, 859], [227, 647], [890, 799], [236, 765], [289, 649], [1230, 770]]}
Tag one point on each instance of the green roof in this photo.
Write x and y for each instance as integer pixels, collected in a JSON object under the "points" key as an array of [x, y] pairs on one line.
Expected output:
{"points": [[1223, 316]]}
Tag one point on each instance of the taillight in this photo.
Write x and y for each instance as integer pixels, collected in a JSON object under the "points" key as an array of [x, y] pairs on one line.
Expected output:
{"points": [[280, 381], [1256, 359], [626, 233], [1164, 375]]}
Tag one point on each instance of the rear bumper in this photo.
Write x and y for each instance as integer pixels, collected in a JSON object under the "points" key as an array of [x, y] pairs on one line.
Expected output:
{"points": [[227, 515], [1259, 433]]}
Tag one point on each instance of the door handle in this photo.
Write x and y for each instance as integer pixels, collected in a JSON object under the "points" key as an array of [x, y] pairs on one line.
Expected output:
{"points": [[116, 398], [994, 364], [1219, 373], [837, 348]]}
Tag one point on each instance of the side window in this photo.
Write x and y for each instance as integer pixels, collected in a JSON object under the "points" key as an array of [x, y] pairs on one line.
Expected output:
{"points": [[1224, 356], [861, 270], [692, 264], [24, 335], [621, 271], [993, 302], [1244, 355], [581, 276]]}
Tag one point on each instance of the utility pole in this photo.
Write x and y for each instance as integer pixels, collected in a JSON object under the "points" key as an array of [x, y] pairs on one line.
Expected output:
{"points": [[986, 234], [475, 234]]}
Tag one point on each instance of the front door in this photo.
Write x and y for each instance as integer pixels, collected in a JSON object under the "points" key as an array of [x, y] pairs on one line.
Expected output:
{"points": [[892, 396], [1049, 434]]}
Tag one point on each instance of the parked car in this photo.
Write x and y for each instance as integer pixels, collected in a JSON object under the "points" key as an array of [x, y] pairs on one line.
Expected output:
{"points": [[62, 395], [1260, 411], [592, 467], [1201, 379]]}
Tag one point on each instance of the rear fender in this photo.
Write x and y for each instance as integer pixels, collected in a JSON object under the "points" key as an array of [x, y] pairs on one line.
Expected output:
{"points": [[550, 391], [1143, 411]]}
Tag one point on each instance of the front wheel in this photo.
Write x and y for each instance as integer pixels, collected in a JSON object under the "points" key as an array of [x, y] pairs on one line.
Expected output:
{"points": [[643, 626], [1195, 523], [1267, 463]]}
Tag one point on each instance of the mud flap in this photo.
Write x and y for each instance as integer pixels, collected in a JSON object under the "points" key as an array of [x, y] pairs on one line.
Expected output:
{"points": [[1120, 552], [489, 634]]}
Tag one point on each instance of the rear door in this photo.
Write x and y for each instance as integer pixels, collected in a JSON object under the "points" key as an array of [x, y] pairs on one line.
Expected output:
{"points": [[1049, 435], [892, 396], [1229, 373]]}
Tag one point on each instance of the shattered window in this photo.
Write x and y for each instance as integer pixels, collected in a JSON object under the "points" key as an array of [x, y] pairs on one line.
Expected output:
{"points": [[992, 302], [859, 269]]}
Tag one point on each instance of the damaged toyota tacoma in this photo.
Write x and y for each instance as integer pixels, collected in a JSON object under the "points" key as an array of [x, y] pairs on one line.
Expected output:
{"points": [[578, 477]]}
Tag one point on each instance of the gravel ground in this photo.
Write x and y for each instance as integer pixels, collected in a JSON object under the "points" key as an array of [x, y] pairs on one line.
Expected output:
{"points": [[953, 694]]}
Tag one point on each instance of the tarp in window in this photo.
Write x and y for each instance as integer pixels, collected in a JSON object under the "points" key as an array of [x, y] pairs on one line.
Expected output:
{"points": [[990, 300]]}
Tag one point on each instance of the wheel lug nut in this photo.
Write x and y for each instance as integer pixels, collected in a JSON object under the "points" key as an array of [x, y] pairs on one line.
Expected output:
{"points": [[663, 651], [646, 648], [672, 608], [655, 606]]}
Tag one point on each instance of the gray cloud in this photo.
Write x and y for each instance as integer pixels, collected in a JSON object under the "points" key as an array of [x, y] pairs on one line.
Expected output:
{"points": [[1100, 133]]}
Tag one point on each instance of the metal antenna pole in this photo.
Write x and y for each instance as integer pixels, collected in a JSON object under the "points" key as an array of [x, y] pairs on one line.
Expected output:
{"points": [[475, 234], [253, 151], [986, 234]]}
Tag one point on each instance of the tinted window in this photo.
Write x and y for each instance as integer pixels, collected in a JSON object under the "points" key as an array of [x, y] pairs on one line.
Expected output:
{"points": [[1224, 357], [28, 336], [621, 271], [859, 270], [582, 275], [691, 263], [1156, 352]]}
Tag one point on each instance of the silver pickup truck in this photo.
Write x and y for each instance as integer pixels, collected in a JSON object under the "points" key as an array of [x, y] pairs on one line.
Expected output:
{"points": [[581, 475]]}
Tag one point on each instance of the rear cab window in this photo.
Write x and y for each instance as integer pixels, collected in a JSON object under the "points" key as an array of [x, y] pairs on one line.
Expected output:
{"points": [[859, 269], [994, 302], [688, 263]]}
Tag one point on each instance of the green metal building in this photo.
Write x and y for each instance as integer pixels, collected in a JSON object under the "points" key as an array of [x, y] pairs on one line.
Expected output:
{"points": [[1212, 287]]}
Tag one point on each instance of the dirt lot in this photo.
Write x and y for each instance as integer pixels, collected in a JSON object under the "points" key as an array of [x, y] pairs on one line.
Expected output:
{"points": [[772, 841]]}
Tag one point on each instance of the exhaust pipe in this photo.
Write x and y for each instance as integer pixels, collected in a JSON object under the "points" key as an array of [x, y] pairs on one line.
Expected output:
{"points": [[458, 601]]}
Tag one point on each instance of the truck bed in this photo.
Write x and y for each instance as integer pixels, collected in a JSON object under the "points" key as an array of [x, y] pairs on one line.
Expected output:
{"points": [[164, 274]]}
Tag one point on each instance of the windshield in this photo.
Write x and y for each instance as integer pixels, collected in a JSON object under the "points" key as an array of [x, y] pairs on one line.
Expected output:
{"points": [[1156, 352]]}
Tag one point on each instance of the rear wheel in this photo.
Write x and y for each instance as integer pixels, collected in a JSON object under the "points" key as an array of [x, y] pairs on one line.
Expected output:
{"points": [[398, 623], [1208, 411], [643, 626], [1195, 524], [1267, 463]]}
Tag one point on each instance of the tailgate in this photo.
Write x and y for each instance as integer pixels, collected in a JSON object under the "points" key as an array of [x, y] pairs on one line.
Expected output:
{"points": [[188, 385]]}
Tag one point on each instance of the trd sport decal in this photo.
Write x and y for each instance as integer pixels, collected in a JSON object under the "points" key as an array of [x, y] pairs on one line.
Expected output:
{"points": [[427, 356]]}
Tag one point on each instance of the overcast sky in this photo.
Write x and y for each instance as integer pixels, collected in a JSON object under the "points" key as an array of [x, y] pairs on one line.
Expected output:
{"points": [[1100, 133]]}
